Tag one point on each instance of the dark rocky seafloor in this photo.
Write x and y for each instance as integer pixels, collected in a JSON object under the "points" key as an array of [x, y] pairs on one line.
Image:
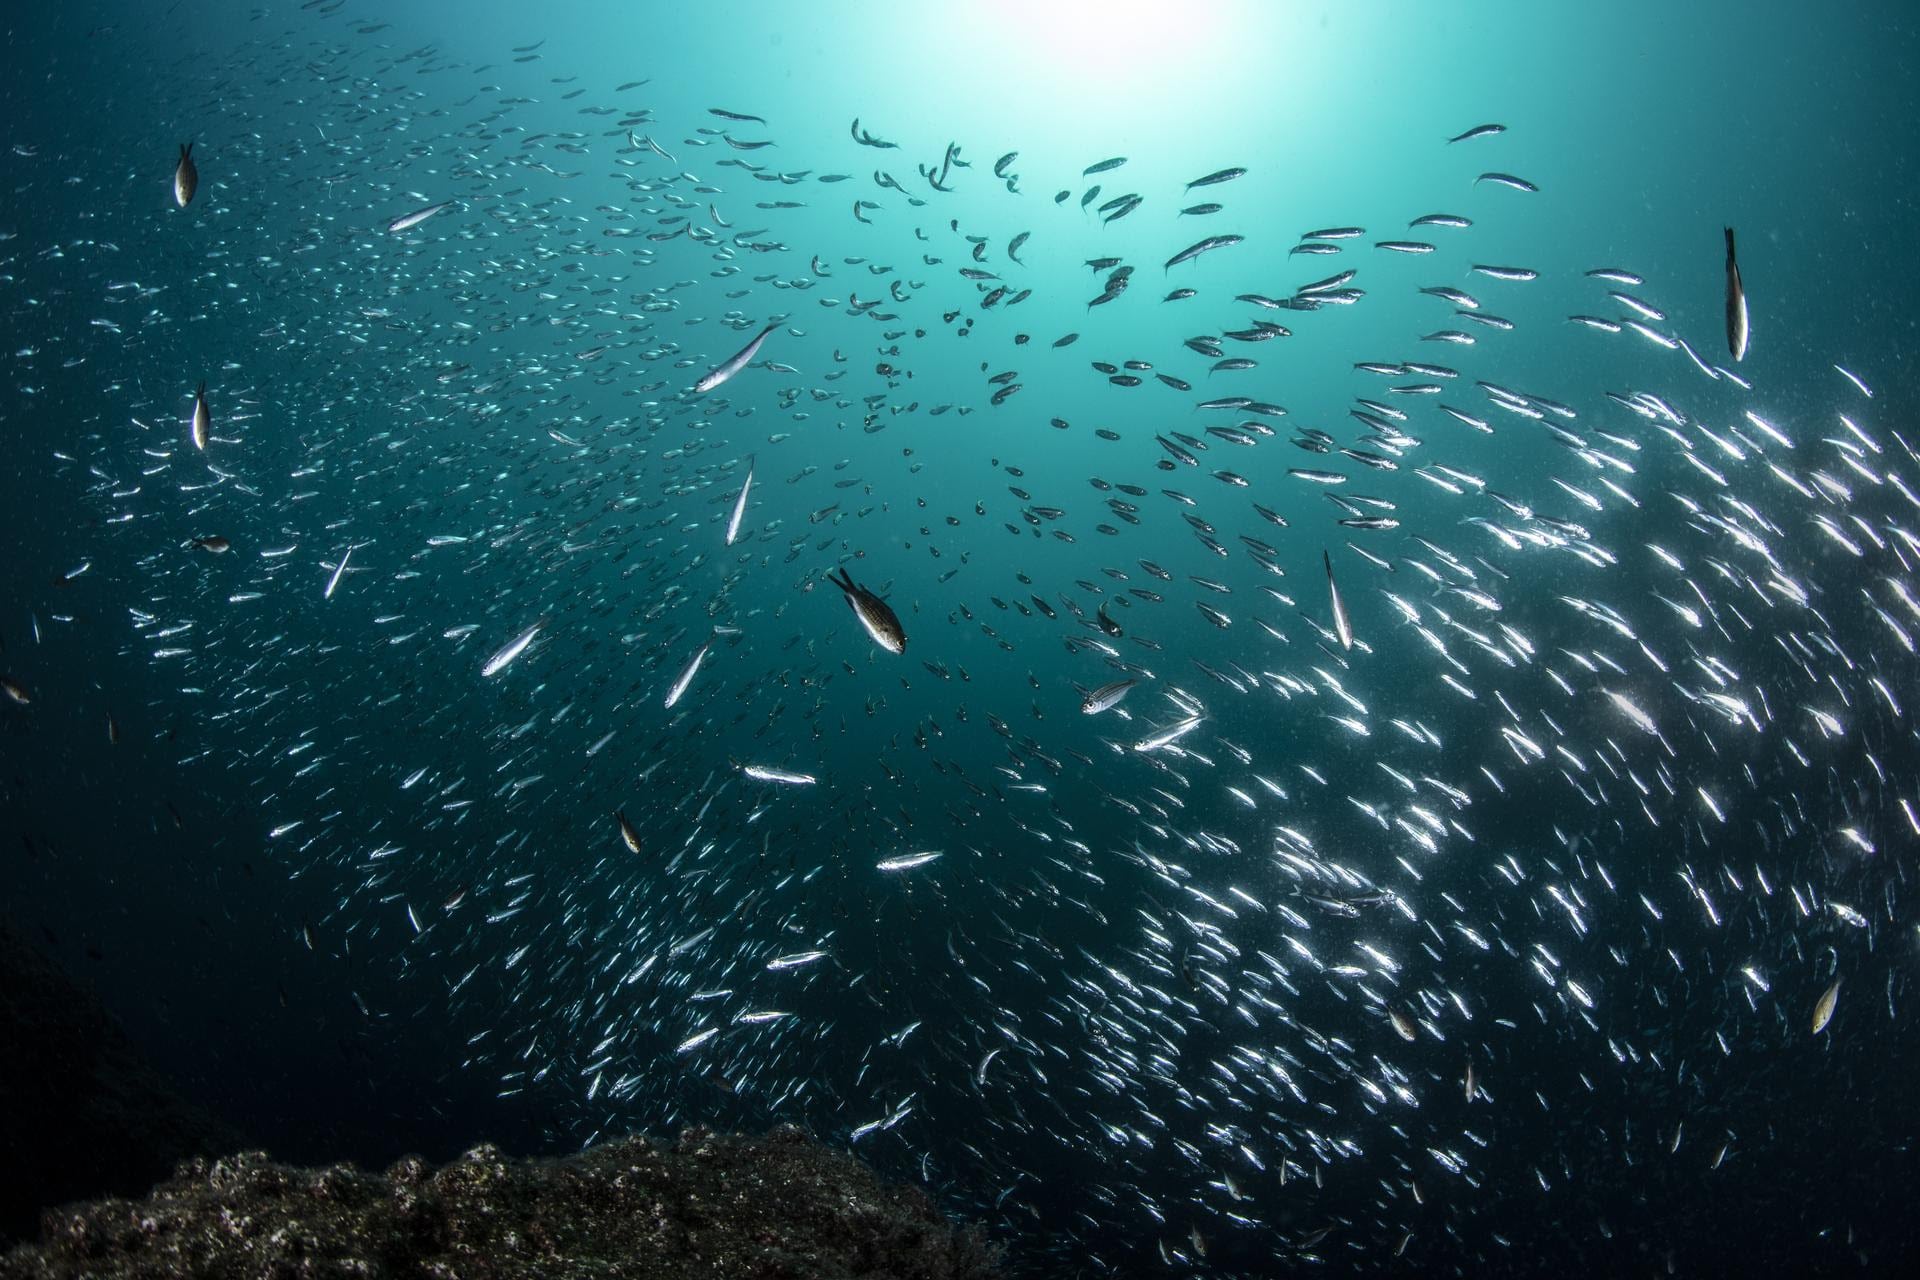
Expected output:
{"points": [[780, 1207], [84, 1113], [86, 1116]]}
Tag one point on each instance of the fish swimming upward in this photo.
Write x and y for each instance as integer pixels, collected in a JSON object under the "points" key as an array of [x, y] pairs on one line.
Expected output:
{"points": [[734, 363], [1737, 331]]}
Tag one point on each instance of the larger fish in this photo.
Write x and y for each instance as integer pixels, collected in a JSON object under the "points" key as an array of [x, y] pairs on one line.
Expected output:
{"points": [[202, 425], [874, 614], [186, 177], [733, 363], [1737, 332]]}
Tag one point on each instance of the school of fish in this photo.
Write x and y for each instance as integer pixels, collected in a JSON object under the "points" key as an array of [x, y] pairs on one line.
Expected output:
{"points": [[1289, 765]]}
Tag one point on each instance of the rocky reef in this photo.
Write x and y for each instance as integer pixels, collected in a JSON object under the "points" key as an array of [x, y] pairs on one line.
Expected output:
{"points": [[85, 1114], [780, 1207]]}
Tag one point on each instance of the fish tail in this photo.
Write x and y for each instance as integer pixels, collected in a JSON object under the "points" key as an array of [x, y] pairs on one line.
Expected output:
{"points": [[1729, 232], [186, 151]]}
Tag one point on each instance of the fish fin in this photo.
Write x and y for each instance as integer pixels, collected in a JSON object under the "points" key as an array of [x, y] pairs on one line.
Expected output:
{"points": [[186, 151]]}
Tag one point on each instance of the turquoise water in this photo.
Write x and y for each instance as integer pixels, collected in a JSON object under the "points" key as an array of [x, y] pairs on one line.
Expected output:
{"points": [[1210, 1004]]}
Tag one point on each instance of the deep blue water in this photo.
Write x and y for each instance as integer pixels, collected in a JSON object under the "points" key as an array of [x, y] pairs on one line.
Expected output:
{"points": [[363, 899]]}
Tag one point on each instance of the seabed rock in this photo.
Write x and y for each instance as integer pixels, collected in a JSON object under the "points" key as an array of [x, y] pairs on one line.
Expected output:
{"points": [[780, 1207]]}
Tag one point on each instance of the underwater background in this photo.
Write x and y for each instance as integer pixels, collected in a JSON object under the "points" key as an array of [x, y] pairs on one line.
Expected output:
{"points": [[1544, 901]]}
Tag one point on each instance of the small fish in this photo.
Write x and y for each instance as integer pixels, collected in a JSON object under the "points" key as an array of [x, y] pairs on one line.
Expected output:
{"points": [[687, 674], [1106, 697], [733, 363], [1823, 1007], [1217, 176], [16, 692], [767, 773], [905, 862], [1737, 332], [628, 836], [1169, 735], [739, 506], [1478, 131], [186, 177], [408, 221], [513, 649], [212, 542], [1506, 180], [1103, 167], [202, 425], [1341, 627], [880, 621], [339, 571]]}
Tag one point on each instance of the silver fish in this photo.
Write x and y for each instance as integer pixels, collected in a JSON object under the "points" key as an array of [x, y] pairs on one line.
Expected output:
{"points": [[733, 363], [1341, 627], [513, 649], [1106, 696], [692, 669], [202, 425], [408, 221], [1737, 331], [767, 773], [739, 506]]}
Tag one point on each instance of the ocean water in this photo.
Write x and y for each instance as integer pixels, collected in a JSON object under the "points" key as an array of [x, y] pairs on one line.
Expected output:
{"points": [[1496, 928]]}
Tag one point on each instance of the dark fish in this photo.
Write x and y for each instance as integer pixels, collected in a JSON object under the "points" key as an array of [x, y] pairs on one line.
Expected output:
{"points": [[1737, 333], [1217, 176], [1103, 166], [879, 620], [628, 836], [212, 542], [731, 115], [186, 177]]}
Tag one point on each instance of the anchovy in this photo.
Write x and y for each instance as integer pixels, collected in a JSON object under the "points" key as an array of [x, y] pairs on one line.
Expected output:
{"points": [[1194, 250], [1736, 306], [685, 678], [733, 363], [739, 506], [1478, 131], [1217, 176], [767, 773], [408, 221], [506, 654], [1341, 627]]}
